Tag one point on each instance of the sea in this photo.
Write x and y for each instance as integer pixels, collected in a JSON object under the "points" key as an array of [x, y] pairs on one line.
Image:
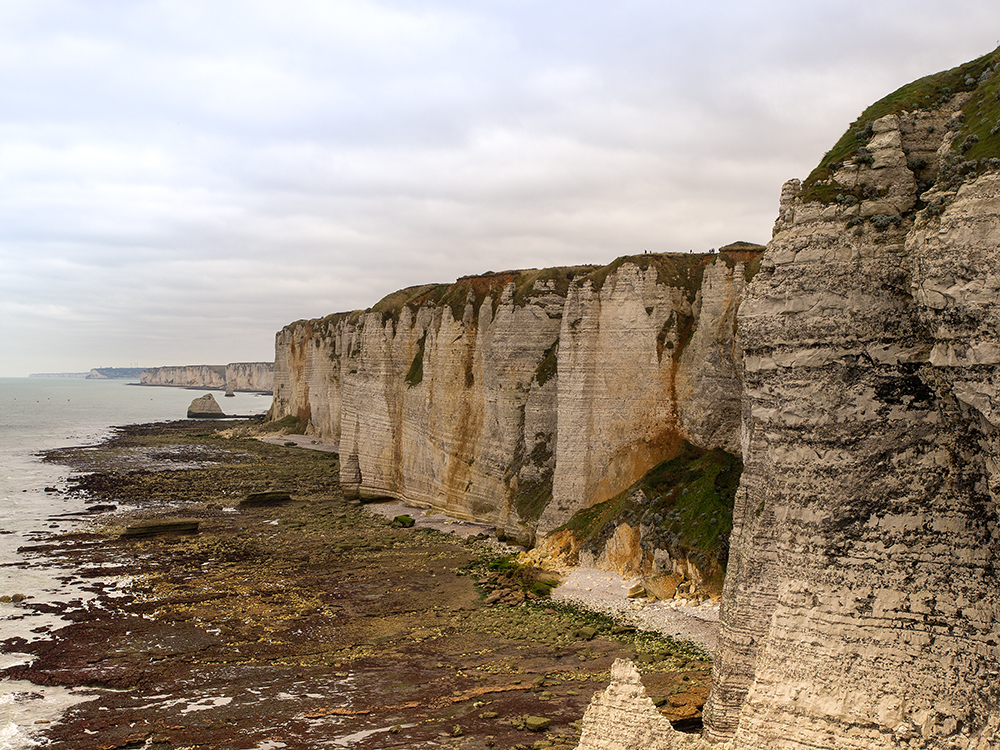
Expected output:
{"points": [[38, 414]]}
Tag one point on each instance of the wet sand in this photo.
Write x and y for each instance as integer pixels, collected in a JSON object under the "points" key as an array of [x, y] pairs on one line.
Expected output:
{"points": [[310, 624]]}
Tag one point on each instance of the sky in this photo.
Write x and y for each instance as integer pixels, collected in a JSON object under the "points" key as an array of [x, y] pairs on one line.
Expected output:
{"points": [[179, 180]]}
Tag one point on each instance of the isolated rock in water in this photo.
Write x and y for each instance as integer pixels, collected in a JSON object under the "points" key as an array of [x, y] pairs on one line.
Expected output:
{"points": [[623, 717], [205, 407]]}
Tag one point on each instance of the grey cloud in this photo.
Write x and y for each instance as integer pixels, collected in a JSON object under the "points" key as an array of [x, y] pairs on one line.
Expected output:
{"points": [[179, 180]]}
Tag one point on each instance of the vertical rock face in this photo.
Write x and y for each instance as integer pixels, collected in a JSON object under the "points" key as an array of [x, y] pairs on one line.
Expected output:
{"points": [[250, 376], [861, 604], [642, 365], [522, 397], [198, 376]]}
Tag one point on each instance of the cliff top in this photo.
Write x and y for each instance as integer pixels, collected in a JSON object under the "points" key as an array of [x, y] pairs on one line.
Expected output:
{"points": [[967, 97], [681, 270]]}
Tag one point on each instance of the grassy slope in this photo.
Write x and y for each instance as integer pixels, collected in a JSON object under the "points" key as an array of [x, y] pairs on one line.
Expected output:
{"points": [[982, 115], [688, 505]]}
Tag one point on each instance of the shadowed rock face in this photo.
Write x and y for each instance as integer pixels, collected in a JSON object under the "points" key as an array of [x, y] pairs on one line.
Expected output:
{"points": [[521, 397]]}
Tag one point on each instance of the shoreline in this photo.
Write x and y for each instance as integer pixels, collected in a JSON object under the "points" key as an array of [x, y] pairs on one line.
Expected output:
{"points": [[364, 627], [203, 388]]}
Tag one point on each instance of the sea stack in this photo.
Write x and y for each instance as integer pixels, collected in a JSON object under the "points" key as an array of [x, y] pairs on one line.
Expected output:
{"points": [[205, 407]]}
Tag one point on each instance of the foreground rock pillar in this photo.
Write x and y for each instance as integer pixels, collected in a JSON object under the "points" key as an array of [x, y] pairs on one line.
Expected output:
{"points": [[623, 717]]}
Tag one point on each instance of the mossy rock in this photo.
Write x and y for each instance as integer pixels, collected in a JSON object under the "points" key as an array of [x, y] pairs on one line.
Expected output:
{"points": [[160, 528], [403, 522], [537, 723], [264, 499]]}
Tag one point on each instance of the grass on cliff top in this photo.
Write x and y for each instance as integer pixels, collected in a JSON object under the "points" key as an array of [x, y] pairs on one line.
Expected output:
{"points": [[689, 504], [476, 289], [682, 270], [927, 93]]}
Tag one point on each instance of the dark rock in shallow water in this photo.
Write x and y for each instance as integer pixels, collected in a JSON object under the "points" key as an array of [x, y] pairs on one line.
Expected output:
{"points": [[258, 499], [205, 407], [160, 527]]}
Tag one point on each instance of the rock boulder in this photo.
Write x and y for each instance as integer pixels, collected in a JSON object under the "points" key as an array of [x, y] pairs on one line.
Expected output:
{"points": [[205, 407]]}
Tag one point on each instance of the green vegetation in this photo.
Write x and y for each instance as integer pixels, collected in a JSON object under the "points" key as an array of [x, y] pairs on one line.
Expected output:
{"points": [[403, 522], [560, 278], [528, 578], [292, 425], [415, 375], [977, 139], [688, 502], [749, 253], [532, 497], [548, 367], [683, 270], [476, 289]]}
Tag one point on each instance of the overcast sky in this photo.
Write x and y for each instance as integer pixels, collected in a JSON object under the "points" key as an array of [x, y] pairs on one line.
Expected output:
{"points": [[181, 179]]}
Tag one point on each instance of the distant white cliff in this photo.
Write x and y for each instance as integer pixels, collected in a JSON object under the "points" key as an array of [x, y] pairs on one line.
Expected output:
{"points": [[257, 377]]}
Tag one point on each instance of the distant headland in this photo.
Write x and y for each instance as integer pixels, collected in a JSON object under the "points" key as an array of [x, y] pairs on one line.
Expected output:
{"points": [[96, 373], [254, 377]]}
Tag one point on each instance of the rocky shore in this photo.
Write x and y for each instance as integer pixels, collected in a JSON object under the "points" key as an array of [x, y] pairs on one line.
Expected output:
{"points": [[310, 622]]}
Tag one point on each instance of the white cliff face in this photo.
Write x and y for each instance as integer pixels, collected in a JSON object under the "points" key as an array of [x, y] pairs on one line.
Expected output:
{"points": [[535, 398], [241, 376], [861, 604], [205, 376], [250, 376], [861, 607]]}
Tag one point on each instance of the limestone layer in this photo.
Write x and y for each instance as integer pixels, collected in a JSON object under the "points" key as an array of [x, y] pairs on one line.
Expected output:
{"points": [[238, 376], [521, 397]]}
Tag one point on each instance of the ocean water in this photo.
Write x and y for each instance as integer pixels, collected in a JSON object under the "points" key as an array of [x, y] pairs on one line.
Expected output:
{"points": [[38, 414]]}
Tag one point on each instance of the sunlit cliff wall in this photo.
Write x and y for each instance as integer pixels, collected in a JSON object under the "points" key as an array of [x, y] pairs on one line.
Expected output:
{"points": [[519, 398]]}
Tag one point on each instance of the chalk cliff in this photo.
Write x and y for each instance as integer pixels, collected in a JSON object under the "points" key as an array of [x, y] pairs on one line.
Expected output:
{"points": [[862, 606], [521, 397], [239, 376]]}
